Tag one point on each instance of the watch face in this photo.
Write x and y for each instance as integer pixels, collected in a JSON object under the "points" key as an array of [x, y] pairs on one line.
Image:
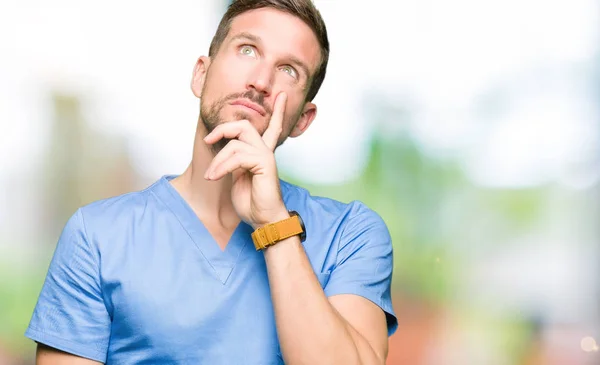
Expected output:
{"points": [[303, 234]]}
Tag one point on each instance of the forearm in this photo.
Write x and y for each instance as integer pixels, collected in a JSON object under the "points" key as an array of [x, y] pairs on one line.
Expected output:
{"points": [[310, 330]]}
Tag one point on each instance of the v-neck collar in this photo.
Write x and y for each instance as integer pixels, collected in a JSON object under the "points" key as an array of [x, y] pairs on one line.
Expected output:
{"points": [[221, 261]]}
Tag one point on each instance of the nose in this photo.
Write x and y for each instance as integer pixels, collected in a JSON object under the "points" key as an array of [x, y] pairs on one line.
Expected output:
{"points": [[261, 79]]}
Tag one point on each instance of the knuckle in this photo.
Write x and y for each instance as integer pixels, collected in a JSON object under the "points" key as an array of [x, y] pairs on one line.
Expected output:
{"points": [[236, 161], [234, 145]]}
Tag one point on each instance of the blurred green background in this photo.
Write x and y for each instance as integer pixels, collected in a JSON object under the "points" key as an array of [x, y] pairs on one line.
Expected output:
{"points": [[472, 128]]}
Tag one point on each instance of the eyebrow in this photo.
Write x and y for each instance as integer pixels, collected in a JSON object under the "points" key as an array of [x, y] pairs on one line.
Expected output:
{"points": [[293, 59], [246, 35]]}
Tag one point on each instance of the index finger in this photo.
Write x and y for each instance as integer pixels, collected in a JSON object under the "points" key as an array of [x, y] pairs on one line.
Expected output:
{"points": [[271, 135]]}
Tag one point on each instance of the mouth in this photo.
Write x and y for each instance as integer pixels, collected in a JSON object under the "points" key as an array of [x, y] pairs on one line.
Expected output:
{"points": [[250, 105]]}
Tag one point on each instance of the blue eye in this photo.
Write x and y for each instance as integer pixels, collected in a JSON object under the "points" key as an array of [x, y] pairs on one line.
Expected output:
{"points": [[248, 51]]}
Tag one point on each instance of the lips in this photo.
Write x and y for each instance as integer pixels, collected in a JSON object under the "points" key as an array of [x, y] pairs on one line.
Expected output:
{"points": [[248, 104]]}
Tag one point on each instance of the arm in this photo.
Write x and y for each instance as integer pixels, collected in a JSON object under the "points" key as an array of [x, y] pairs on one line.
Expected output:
{"points": [[50, 356], [350, 327], [344, 329], [70, 314]]}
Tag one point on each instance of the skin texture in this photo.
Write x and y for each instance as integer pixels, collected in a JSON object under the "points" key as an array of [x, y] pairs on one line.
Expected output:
{"points": [[252, 98]]}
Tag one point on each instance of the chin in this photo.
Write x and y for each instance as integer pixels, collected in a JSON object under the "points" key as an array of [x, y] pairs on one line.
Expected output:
{"points": [[244, 116], [257, 122]]}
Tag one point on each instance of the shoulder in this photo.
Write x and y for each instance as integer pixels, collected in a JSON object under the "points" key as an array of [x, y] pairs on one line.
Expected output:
{"points": [[111, 213], [349, 217]]}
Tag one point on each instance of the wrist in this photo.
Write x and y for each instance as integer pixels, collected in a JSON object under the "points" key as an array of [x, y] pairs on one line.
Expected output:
{"points": [[279, 228], [273, 217]]}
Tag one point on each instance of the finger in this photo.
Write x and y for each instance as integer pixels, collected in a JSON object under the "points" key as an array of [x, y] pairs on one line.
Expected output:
{"points": [[240, 129], [230, 149], [246, 161], [271, 135]]}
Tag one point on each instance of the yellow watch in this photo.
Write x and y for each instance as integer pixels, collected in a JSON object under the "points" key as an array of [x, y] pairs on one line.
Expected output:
{"points": [[272, 233]]}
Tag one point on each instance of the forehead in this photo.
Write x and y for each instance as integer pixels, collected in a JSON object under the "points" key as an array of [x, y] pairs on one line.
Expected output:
{"points": [[280, 33]]}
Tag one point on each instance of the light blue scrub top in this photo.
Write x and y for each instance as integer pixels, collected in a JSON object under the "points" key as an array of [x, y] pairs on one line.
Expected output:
{"points": [[137, 279]]}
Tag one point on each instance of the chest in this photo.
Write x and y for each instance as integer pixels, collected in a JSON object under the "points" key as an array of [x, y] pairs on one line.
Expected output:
{"points": [[169, 304]]}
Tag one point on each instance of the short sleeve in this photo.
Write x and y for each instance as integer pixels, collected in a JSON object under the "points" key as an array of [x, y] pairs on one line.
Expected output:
{"points": [[70, 314], [364, 262]]}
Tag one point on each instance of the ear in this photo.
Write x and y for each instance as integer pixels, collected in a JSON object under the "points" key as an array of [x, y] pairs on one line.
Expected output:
{"points": [[309, 112], [199, 75]]}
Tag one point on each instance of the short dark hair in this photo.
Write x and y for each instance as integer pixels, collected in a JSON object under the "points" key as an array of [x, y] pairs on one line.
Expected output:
{"points": [[303, 9]]}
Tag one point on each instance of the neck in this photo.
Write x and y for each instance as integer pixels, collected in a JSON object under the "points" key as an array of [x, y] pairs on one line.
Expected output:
{"points": [[210, 200]]}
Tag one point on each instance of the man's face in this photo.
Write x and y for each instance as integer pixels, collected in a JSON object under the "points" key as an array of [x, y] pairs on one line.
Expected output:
{"points": [[266, 52]]}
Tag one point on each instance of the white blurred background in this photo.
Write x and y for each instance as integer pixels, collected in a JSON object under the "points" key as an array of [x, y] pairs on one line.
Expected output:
{"points": [[481, 120]]}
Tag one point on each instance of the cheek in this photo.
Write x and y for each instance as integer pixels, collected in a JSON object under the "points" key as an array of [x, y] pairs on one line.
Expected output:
{"points": [[207, 89], [287, 83], [232, 70], [292, 114], [295, 105], [219, 80]]}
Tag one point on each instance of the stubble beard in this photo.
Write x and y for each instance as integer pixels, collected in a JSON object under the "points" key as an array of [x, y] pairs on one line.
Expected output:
{"points": [[211, 114]]}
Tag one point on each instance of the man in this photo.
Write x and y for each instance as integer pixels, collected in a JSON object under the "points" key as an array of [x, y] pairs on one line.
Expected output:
{"points": [[227, 264]]}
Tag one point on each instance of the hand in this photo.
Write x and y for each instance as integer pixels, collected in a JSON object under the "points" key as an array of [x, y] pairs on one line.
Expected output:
{"points": [[250, 158]]}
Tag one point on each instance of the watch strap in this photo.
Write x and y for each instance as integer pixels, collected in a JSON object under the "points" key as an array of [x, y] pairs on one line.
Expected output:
{"points": [[272, 233]]}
